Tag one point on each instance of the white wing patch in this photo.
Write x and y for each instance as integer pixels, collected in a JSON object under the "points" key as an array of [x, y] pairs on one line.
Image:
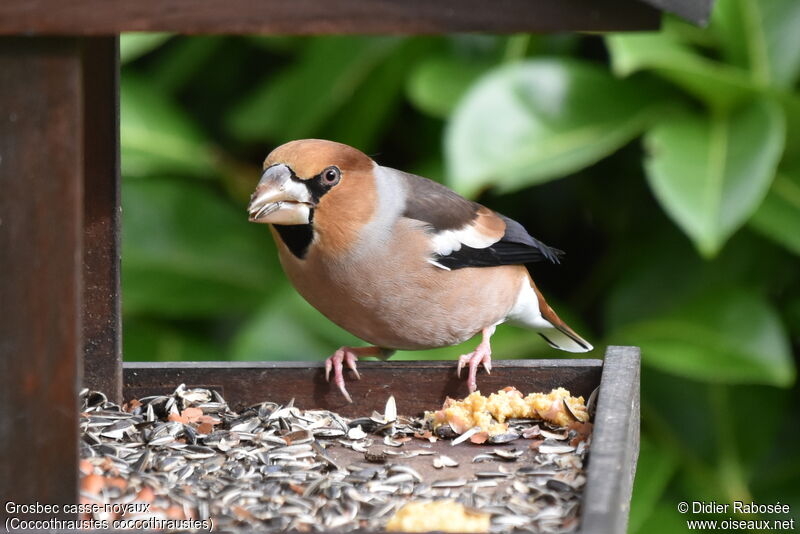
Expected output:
{"points": [[449, 241]]}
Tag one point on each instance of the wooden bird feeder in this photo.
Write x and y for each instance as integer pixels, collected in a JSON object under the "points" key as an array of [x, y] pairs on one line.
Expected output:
{"points": [[60, 324]]}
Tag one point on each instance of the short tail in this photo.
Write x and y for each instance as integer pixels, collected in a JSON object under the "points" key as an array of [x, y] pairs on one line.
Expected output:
{"points": [[532, 310], [563, 337]]}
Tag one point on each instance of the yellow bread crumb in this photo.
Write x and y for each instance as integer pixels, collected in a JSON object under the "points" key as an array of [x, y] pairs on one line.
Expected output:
{"points": [[490, 413], [443, 515]]}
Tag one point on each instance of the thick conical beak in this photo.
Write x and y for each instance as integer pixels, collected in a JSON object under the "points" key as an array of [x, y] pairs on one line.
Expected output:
{"points": [[278, 199]]}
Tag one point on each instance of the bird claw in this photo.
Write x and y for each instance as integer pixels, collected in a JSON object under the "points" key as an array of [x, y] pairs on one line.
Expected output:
{"points": [[345, 393], [481, 355], [350, 359], [347, 356]]}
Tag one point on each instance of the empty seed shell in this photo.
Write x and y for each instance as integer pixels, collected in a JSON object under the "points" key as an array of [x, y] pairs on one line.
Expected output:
{"points": [[444, 461]]}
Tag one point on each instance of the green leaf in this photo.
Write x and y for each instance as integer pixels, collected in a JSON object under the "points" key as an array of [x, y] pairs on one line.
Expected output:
{"points": [[157, 137], [762, 37], [286, 327], [186, 58], [792, 314], [778, 217], [729, 336], [711, 173], [155, 341], [654, 469], [530, 122], [717, 84], [279, 44], [362, 119], [292, 103], [680, 422], [779, 470], [437, 84], [665, 519], [135, 45], [771, 423], [790, 104], [660, 272], [188, 252], [686, 32]]}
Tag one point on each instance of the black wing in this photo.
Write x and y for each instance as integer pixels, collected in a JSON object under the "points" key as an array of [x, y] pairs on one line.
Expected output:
{"points": [[516, 247], [445, 211]]}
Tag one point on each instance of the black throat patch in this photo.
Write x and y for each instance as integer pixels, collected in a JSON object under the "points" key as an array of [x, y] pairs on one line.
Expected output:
{"points": [[296, 237]]}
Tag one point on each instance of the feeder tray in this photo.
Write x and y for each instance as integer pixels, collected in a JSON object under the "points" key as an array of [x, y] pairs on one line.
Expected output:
{"points": [[421, 386]]}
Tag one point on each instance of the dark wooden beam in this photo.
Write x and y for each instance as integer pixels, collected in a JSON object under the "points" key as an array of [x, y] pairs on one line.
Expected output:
{"points": [[697, 11], [93, 17], [102, 325], [41, 213], [615, 445], [417, 385]]}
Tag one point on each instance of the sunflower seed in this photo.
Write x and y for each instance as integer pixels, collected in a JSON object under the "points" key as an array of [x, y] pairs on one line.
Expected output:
{"points": [[391, 442], [506, 437], [356, 433], [278, 467], [450, 483], [508, 454], [390, 412], [398, 468], [492, 474], [479, 484], [444, 461], [553, 435], [546, 448], [591, 403]]}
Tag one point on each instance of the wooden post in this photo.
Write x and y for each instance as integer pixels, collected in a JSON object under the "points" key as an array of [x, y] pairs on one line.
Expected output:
{"points": [[615, 444], [102, 325], [41, 215]]}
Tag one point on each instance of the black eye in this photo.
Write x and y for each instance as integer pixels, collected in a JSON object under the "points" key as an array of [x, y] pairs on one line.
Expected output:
{"points": [[331, 175]]}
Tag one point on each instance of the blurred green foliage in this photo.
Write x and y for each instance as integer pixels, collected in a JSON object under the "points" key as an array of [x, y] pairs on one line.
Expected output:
{"points": [[666, 164]]}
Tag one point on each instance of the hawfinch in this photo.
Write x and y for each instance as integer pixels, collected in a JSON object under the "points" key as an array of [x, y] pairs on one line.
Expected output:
{"points": [[397, 260]]}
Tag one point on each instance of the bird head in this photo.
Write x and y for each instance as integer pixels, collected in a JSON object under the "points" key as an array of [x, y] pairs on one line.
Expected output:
{"points": [[310, 180]]}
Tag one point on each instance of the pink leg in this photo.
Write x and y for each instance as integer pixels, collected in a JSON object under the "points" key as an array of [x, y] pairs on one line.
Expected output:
{"points": [[348, 355], [481, 355]]}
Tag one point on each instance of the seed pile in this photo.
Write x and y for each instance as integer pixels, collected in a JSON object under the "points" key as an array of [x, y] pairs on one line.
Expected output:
{"points": [[277, 467]]}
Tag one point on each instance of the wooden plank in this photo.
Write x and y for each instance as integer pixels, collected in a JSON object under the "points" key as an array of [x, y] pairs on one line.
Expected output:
{"points": [[93, 17], [697, 11], [417, 385], [41, 166], [102, 326], [615, 445]]}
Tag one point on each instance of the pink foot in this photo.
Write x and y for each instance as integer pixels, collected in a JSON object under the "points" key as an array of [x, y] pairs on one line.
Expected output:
{"points": [[349, 356], [481, 355]]}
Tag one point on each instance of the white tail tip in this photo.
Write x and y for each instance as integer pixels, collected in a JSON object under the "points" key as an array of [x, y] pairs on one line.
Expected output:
{"points": [[564, 340]]}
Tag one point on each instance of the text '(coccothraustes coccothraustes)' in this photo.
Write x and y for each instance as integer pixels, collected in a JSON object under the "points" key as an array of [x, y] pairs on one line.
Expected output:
{"points": [[397, 260]]}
